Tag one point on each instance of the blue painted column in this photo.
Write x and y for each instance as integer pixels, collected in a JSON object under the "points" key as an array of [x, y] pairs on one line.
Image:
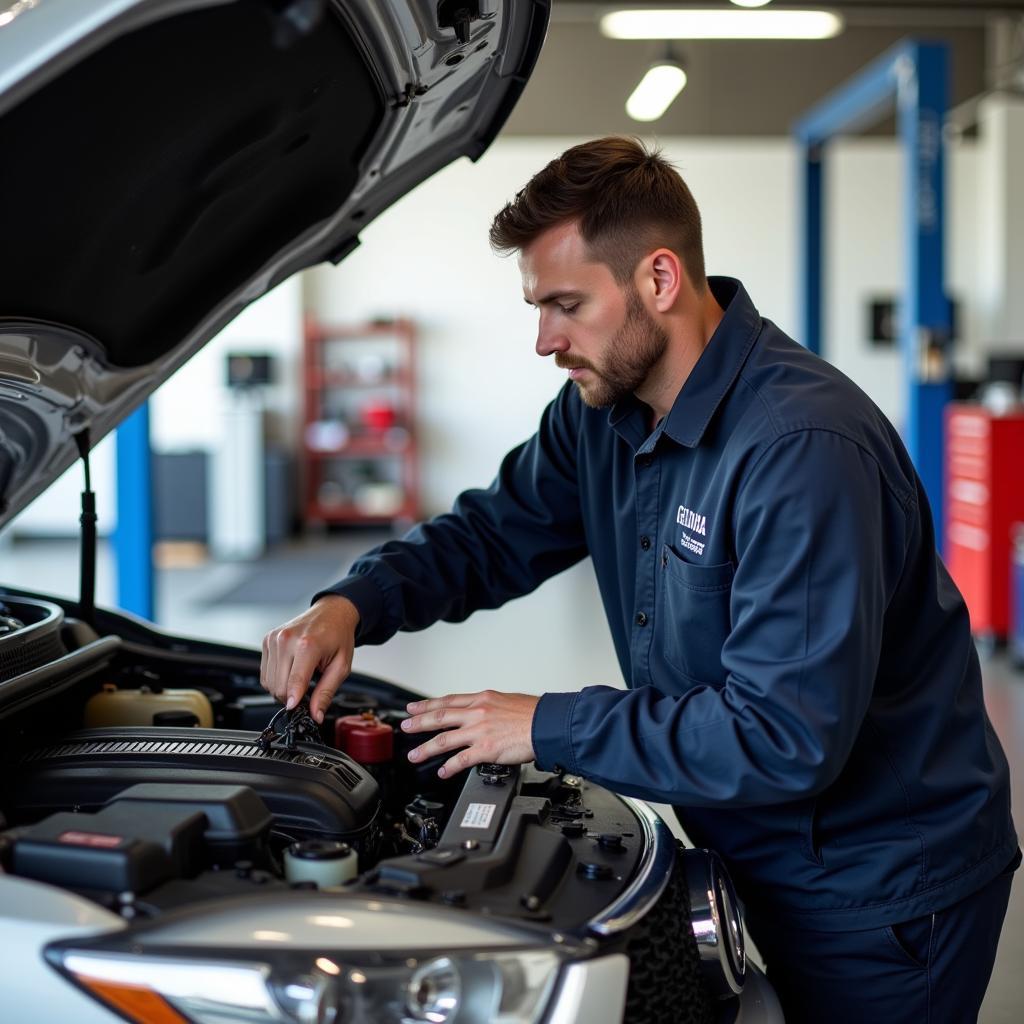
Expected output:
{"points": [[925, 326], [812, 270], [916, 74], [133, 539]]}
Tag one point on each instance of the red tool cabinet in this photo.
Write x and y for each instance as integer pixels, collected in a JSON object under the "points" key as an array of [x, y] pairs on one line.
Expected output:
{"points": [[984, 481]]}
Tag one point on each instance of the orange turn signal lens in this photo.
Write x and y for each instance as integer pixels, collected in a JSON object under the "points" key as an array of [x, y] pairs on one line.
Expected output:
{"points": [[175, 990], [135, 1002]]}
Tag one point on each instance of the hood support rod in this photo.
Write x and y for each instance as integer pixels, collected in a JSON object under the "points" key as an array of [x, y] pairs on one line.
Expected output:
{"points": [[87, 583]]}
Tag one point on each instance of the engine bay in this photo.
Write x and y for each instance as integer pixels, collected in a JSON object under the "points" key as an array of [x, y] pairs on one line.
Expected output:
{"points": [[148, 775]]}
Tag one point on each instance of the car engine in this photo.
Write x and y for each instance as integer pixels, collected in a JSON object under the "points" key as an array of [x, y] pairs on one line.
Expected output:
{"points": [[151, 774]]}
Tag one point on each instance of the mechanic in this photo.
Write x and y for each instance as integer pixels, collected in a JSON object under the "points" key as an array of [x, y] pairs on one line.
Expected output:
{"points": [[802, 682]]}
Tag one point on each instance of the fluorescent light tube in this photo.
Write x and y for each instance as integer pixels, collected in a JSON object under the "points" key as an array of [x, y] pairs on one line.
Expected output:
{"points": [[750, 3], [720, 24], [657, 89]]}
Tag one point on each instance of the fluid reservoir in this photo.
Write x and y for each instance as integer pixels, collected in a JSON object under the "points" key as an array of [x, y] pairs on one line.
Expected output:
{"points": [[323, 861], [365, 738], [137, 707]]}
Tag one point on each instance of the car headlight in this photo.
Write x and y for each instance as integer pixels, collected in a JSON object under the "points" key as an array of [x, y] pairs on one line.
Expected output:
{"points": [[322, 961], [506, 987]]}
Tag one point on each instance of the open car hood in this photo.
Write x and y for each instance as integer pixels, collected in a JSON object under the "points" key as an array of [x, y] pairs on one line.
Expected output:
{"points": [[167, 162]]}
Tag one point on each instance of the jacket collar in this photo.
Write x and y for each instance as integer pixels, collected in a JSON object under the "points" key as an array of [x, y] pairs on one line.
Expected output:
{"points": [[715, 371]]}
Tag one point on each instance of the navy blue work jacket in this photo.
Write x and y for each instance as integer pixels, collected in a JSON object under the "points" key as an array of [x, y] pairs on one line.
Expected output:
{"points": [[802, 682]]}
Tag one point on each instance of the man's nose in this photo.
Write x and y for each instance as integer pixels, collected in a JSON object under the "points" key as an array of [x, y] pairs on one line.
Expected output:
{"points": [[550, 339]]}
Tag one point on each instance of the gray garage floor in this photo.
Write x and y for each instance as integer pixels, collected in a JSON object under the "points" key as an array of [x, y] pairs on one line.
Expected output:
{"points": [[555, 639]]}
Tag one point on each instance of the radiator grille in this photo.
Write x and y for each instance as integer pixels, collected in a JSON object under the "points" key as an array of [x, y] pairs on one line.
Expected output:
{"points": [[665, 982]]}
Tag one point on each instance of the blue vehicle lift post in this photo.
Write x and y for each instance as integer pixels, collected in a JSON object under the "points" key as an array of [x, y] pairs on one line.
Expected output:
{"points": [[133, 540], [916, 75]]}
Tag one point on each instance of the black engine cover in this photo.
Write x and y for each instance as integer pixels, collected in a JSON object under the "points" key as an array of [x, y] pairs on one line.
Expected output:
{"points": [[312, 791]]}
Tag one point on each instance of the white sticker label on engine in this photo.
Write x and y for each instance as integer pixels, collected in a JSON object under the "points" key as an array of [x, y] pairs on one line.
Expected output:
{"points": [[478, 816]]}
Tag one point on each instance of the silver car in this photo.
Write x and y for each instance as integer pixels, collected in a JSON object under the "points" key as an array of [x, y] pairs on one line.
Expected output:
{"points": [[173, 846]]}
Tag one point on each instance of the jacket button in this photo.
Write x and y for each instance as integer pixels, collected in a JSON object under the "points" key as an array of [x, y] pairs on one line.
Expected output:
{"points": [[645, 543], [641, 619]]}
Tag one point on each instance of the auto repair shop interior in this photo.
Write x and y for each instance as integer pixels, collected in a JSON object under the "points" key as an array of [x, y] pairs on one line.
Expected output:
{"points": [[352, 401]]}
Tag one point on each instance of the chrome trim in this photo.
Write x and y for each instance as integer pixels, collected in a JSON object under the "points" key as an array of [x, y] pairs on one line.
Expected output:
{"points": [[715, 917], [652, 875]]}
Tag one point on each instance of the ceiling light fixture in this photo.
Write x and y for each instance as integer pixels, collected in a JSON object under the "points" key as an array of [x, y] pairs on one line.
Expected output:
{"points": [[663, 82], [720, 24], [751, 3]]}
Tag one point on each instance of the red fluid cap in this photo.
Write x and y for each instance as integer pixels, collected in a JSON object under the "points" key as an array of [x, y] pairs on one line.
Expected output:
{"points": [[365, 738]]}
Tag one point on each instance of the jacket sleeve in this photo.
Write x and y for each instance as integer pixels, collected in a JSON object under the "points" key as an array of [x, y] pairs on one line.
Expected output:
{"points": [[495, 545], [820, 543]]}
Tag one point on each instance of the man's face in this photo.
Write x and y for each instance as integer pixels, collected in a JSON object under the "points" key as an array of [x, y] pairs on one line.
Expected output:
{"points": [[596, 329]]}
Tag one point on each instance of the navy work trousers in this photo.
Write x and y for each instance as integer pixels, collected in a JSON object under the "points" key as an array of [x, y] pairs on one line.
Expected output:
{"points": [[931, 970]]}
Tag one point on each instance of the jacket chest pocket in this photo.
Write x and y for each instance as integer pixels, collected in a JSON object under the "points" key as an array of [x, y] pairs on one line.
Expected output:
{"points": [[694, 620]]}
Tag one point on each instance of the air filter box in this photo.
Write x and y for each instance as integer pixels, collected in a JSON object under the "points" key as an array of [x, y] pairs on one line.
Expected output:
{"points": [[118, 849], [237, 821]]}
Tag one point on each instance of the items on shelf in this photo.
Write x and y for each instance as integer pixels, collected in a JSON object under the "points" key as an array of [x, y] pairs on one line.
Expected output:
{"points": [[359, 438]]}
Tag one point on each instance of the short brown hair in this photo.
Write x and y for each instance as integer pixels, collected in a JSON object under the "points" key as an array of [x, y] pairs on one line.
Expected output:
{"points": [[626, 199]]}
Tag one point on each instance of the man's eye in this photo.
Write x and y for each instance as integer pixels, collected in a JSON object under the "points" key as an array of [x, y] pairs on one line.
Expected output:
{"points": [[569, 310]]}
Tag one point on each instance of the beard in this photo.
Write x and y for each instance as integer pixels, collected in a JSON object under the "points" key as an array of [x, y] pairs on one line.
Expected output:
{"points": [[632, 353]]}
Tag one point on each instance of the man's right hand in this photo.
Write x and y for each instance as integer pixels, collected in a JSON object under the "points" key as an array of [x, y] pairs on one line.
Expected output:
{"points": [[322, 637]]}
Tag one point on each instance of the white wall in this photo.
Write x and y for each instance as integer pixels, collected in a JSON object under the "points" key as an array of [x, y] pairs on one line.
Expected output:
{"points": [[1001, 220], [865, 258]]}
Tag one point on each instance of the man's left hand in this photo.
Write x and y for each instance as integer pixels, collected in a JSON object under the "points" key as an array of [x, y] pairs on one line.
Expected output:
{"points": [[490, 727]]}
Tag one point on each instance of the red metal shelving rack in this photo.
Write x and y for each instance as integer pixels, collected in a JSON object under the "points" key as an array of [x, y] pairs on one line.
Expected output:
{"points": [[336, 434]]}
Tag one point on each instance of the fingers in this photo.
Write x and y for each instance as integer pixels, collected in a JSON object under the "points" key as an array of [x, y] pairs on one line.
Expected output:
{"points": [[304, 663], [474, 751], [460, 762], [452, 700], [265, 659], [272, 679], [487, 727], [321, 637], [441, 718], [330, 679]]}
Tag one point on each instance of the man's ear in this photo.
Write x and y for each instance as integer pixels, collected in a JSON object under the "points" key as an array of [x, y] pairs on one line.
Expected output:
{"points": [[663, 272]]}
